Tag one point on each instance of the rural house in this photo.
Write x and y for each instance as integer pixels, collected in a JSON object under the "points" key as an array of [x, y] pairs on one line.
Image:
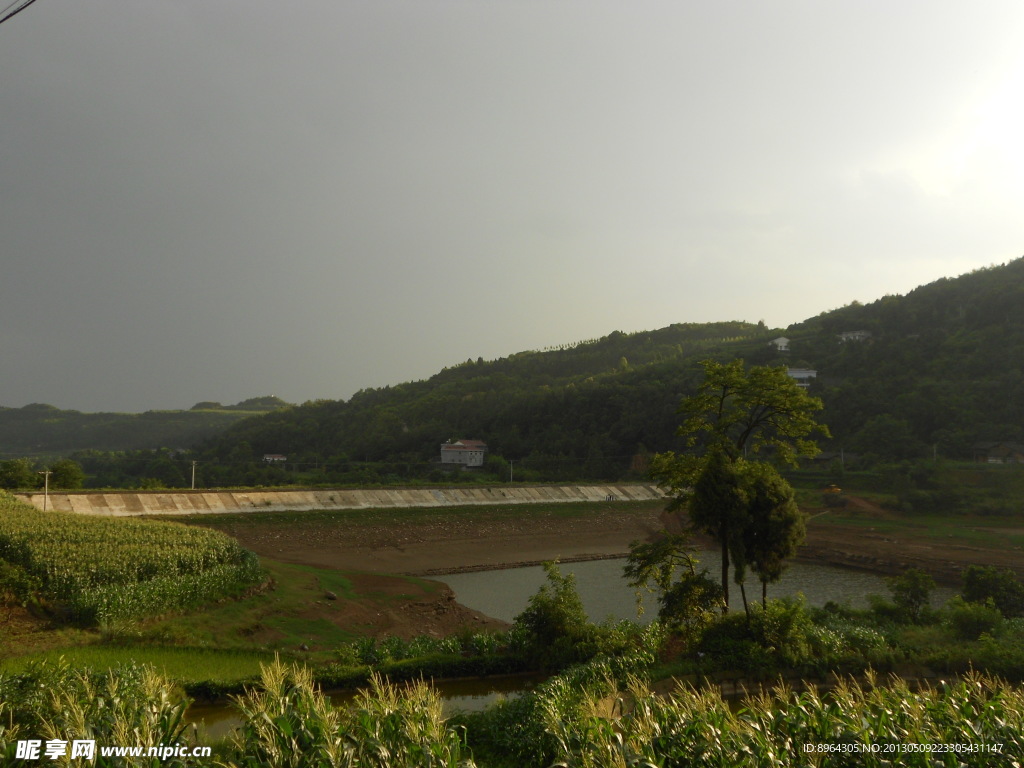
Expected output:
{"points": [[999, 453], [468, 453], [781, 344]]}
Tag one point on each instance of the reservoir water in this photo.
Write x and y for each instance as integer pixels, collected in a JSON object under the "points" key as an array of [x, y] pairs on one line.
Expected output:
{"points": [[504, 594]]}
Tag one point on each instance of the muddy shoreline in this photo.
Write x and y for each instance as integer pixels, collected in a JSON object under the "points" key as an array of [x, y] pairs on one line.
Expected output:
{"points": [[519, 564]]}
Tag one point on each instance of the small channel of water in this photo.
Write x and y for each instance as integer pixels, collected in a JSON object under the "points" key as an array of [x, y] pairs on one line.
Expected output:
{"points": [[471, 695]]}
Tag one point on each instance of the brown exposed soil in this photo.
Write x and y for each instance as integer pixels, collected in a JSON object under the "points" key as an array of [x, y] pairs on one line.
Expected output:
{"points": [[873, 546], [432, 547], [393, 606], [438, 545]]}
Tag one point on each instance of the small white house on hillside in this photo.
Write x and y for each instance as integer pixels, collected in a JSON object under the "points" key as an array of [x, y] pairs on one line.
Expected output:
{"points": [[468, 453], [781, 344]]}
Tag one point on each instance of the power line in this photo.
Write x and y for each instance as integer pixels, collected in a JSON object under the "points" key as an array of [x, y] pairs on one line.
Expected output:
{"points": [[24, 4]]}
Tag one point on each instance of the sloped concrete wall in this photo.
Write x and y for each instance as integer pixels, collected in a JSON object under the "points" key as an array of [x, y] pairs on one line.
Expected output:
{"points": [[211, 502]]}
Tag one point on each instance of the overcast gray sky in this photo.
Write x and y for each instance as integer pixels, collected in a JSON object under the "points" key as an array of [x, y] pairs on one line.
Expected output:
{"points": [[219, 199]]}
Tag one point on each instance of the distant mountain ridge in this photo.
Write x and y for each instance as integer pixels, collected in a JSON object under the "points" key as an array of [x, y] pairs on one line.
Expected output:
{"points": [[40, 429]]}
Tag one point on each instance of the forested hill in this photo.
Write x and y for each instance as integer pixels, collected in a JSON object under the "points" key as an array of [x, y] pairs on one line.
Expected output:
{"points": [[940, 371], [599, 401]]}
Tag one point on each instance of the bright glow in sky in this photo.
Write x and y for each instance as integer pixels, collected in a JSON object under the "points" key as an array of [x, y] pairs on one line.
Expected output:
{"points": [[220, 200]]}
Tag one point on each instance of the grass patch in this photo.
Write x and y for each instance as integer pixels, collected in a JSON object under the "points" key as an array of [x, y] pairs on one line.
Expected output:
{"points": [[185, 665], [293, 614], [326, 580], [980, 531]]}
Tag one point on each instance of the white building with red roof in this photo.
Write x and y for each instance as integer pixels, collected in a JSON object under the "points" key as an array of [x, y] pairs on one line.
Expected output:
{"points": [[468, 453]]}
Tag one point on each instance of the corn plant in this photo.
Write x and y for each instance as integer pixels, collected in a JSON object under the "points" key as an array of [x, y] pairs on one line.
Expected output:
{"points": [[288, 723], [977, 722], [402, 727], [130, 705]]}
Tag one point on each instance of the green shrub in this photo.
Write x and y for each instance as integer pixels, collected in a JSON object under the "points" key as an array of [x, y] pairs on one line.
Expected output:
{"points": [[553, 630], [885, 611], [783, 635], [729, 643], [981, 583], [784, 627], [1001, 654], [970, 620], [911, 593], [379, 652]]}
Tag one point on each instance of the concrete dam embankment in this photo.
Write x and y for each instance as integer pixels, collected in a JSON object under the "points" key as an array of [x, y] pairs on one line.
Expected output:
{"points": [[131, 503]]}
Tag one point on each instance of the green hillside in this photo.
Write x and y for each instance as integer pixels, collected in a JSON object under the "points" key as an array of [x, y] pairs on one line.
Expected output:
{"points": [[588, 407], [942, 370]]}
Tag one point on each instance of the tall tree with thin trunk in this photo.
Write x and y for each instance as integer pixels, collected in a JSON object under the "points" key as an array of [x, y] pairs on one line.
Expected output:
{"points": [[737, 416], [718, 507]]}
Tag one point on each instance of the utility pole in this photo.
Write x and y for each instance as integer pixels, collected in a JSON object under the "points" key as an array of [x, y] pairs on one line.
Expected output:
{"points": [[510, 470], [46, 486], [193, 475]]}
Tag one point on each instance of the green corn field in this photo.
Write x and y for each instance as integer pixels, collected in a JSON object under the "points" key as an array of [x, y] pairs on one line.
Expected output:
{"points": [[976, 722], [90, 569]]}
